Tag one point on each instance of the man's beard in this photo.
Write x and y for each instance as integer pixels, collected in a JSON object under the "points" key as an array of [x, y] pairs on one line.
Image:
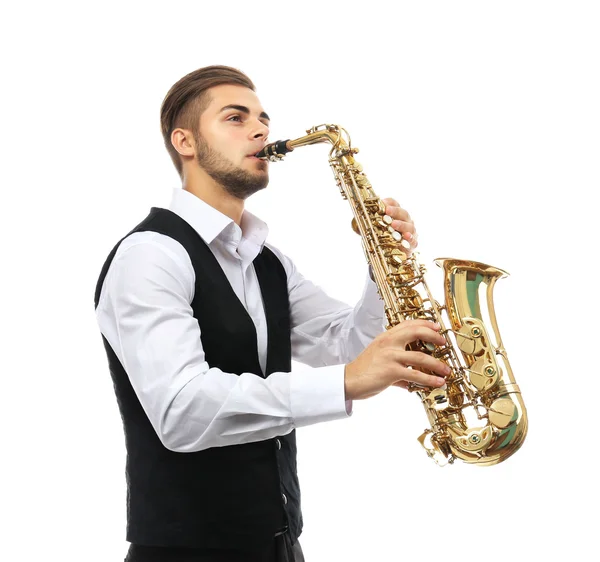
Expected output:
{"points": [[235, 181]]}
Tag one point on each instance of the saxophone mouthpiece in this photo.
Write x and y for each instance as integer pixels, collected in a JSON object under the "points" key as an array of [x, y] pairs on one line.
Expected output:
{"points": [[275, 151]]}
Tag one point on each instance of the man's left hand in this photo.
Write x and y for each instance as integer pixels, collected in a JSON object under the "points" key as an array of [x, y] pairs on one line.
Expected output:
{"points": [[402, 223]]}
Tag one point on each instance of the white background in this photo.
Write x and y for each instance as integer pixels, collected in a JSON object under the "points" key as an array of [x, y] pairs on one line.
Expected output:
{"points": [[482, 118]]}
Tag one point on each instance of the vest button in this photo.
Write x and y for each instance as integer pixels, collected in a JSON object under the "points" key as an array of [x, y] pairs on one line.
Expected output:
{"points": [[284, 499], [278, 443]]}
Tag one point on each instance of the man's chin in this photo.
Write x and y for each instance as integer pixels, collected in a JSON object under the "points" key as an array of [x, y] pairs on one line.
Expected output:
{"points": [[261, 174], [249, 187]]}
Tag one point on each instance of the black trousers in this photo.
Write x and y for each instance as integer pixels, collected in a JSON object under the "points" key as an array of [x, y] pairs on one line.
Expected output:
{"points": [[280, 550]]}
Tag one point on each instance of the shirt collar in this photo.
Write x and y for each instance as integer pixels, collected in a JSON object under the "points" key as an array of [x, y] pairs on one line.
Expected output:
{"points": [[211, 224]]}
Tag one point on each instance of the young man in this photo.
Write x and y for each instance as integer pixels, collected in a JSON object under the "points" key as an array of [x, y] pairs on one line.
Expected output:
{"points": [[200, 319]]}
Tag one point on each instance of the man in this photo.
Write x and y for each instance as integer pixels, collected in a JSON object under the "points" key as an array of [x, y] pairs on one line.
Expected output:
{"points": [[200, 319]]}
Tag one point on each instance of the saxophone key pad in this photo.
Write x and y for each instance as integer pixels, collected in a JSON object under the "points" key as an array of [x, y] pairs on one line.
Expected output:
{"points": [[395, 234], [397, 257], [483, 374], [502, 412], [437, 399], [471, 337]]}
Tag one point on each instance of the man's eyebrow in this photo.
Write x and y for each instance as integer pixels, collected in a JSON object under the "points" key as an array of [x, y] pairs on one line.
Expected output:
{"points": [[243, 109]]}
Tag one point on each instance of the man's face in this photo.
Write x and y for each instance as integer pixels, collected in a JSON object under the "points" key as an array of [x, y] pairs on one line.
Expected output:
{"points": [[233, 128]]}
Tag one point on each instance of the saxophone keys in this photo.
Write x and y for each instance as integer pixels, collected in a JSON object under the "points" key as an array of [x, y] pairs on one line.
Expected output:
{"points": [[502, 412], [395, 234], [386, 223], [476, 440], [397, 257], [437, 399], [435, 449], [470, 338], [484, 374], [362, 181]]}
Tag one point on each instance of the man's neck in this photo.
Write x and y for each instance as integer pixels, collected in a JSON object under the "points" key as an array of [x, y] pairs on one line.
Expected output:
{"points": [[214, 195]]}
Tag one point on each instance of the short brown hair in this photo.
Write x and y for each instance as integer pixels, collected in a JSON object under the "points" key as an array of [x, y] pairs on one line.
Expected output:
{"points": [[187, 99]]}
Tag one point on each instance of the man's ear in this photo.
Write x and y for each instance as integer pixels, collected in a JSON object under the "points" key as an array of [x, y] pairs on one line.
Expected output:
{"points": [[183, 141]]}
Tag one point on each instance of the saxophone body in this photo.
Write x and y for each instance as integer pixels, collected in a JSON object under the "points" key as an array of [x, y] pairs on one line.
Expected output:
{"points": [[478, 416]]}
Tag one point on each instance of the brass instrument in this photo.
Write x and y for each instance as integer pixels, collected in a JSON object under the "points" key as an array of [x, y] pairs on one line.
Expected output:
{"points": [[478, 416]]}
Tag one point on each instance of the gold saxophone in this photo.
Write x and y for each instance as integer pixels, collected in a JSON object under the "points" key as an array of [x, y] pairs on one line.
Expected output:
{"points": [[479, 415]]}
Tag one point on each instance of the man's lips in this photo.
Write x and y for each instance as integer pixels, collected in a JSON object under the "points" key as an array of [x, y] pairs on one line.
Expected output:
{"points": [[253, 154]]}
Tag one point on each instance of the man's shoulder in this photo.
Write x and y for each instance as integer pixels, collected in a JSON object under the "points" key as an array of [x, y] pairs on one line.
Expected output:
{"points": [[142, 257], [149, 239]]}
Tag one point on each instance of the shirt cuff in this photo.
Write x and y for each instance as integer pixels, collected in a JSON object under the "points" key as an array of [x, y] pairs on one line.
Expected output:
{"points": [[318, 395]]}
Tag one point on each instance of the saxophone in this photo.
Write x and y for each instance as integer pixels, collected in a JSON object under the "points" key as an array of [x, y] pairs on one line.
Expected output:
{"points": [[478, 416]]}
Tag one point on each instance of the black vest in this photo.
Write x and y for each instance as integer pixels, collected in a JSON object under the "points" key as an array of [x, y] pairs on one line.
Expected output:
{"points": [[236, 496]]}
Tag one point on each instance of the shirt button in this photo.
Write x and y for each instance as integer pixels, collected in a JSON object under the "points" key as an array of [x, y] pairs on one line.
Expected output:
{"points": [[284, 499], [278, 443]]}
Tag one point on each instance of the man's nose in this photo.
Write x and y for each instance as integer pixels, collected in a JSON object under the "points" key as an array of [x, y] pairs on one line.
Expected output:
{"points": [[260, 130]]}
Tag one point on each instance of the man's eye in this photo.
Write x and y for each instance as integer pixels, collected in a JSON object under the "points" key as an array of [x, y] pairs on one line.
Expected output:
{"points": [[234, 118]]}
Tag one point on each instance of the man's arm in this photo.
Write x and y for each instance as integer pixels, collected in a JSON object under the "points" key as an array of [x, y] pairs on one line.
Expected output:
{"points": [[326, 331], [145, 314]]}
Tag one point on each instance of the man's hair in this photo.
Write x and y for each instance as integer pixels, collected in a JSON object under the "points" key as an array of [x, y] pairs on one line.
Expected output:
{"points": [[188, 98]]}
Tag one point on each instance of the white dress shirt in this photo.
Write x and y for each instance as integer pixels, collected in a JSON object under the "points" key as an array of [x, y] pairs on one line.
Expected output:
{"points": [[145, 314]]}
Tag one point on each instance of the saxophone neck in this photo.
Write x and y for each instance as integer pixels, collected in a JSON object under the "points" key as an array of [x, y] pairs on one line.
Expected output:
{"points": [[333, 134]]}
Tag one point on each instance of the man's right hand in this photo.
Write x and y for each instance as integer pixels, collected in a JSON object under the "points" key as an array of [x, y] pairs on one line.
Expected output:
{"points": [[385, 361]]}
